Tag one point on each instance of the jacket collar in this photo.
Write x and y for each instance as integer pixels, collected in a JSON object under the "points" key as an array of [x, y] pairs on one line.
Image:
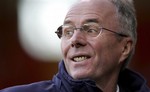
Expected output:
{"points": [[130, 81], [84, 85]]}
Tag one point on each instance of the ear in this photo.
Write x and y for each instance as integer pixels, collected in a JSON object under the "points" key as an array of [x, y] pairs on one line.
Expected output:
{"points": [[127, 47]]}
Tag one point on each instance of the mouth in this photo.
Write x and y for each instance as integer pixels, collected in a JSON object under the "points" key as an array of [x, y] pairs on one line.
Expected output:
{"points": [[80, 58]]}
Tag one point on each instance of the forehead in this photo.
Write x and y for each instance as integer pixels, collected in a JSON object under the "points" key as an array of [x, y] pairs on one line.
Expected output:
{"points": [[90, 9]]}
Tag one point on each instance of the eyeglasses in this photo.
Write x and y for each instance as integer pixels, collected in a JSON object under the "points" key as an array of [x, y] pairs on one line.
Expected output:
{"points": [[90, 30]]}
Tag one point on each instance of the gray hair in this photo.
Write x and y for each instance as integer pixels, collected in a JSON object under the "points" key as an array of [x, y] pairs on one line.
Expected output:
{"points": [[127, 20]]}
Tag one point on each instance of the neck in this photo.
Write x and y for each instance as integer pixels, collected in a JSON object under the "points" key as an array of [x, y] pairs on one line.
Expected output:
{"points": [[109, 83]]}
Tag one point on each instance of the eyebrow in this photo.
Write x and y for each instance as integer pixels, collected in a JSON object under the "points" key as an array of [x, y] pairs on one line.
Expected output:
{"points": [[94, 20], [67, 22]]}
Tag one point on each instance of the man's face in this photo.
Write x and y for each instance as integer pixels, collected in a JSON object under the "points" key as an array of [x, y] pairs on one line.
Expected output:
{"points": [[91, 57]]}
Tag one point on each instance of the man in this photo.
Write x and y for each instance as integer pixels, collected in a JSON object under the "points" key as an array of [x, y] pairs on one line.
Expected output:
{"points": [[98, 39]]}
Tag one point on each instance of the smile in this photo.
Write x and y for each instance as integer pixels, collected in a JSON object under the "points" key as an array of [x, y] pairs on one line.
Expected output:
{"points": [[80, 58]]}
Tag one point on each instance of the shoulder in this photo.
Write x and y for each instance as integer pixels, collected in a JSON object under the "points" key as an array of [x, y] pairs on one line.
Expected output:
{"points": [[42, 86]]}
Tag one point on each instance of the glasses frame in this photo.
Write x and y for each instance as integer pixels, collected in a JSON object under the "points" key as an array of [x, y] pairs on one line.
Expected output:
{"points": [[59, 31]]}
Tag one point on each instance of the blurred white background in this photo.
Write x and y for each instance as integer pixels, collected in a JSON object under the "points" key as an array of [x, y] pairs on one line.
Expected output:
{"points": [[38, 21]]}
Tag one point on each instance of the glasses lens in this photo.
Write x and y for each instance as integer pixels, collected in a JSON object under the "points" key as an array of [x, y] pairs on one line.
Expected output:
{"points": [[92, 29], [67, 30]]}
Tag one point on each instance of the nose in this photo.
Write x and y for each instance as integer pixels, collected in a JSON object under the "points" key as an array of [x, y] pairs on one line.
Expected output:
{"points": [[78, 39]]}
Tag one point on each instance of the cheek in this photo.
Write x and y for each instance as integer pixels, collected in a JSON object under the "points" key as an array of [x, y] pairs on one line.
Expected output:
{"points": [[106, 51], [105, 60], [108, 54], [97, 47], [64, 48]]}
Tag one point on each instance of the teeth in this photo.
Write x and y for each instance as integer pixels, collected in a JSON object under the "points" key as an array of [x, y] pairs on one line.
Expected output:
{"points": [[78, 59]]}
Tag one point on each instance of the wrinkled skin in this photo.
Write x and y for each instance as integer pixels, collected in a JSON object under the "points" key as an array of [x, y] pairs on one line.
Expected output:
{"points": [[105, 53]]}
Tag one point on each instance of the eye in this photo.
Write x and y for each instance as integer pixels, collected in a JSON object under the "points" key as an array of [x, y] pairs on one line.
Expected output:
{"points": [[68, 31], [91, 31]]}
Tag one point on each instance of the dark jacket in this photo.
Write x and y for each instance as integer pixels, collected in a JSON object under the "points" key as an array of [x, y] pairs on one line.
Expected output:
{"points": [[128, 82]]}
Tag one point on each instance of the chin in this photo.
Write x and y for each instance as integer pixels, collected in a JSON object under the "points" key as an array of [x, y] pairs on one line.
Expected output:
{"points": [[80, 75]]}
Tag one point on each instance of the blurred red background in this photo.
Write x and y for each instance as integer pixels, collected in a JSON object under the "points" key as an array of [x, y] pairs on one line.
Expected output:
{"points": [[16, 67]]}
